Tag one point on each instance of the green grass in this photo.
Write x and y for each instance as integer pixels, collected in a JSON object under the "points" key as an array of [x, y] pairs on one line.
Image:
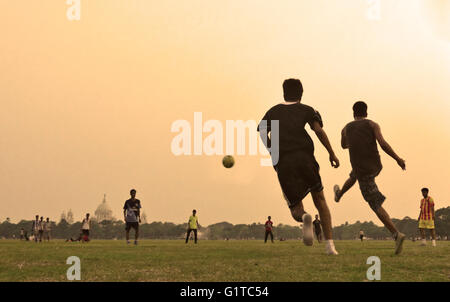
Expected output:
{"points": [[159, 260]]}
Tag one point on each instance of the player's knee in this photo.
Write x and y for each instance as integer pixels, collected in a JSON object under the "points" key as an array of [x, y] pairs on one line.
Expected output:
{"points": [[297, 216]]}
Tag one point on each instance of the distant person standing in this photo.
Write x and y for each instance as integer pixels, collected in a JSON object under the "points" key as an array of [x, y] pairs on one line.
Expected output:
{"points": [[426, 217], [85, 228], [35, 229], [47, 229], [22, 234], [361, 235], [132, 216], [41, 229], [317, 228], [269, 226], [192, 226]]}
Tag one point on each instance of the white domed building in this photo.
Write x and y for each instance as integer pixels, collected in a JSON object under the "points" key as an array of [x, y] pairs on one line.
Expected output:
{"points": [[103, 211]]}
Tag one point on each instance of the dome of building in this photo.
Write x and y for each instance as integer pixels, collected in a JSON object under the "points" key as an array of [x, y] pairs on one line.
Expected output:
{"points": [[103, 211]]}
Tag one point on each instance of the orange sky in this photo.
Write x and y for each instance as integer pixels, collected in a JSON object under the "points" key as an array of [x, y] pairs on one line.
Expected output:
{"points": [[87, 106]]}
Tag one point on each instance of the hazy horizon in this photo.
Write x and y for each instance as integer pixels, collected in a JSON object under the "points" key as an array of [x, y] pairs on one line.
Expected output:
{"points": [[87, 106]]}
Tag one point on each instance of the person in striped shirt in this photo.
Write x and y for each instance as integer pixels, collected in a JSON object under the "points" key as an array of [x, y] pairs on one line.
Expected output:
{"points": [[426, 217]]}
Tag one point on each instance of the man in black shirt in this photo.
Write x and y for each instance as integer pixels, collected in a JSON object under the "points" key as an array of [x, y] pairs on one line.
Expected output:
{"points": [[132, 216], [317, 228], [293, 157]]}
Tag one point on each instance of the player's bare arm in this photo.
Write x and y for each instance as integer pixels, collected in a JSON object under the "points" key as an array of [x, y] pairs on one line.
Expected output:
{"points": [[344, 142], [322, 136], [386, 147]]}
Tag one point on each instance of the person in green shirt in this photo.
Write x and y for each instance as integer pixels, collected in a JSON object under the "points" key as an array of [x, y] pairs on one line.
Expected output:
{"points": [[192, 226]]}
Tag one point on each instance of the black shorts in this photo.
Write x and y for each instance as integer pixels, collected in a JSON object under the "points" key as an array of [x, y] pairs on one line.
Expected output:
{"points": [[85, 232], [298, 174], [134, 225]]}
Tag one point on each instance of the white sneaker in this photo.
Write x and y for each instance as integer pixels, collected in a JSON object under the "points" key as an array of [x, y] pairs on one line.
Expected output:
{"points": [[336, 190], [308, 237], [433, 242], [423, 243], [331, 251]]}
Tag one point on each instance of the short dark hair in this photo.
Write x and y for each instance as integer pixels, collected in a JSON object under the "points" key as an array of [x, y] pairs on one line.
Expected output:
{"points": [[293, 90], [194, 211], [132, 190], [425, 190], [360, 109]]}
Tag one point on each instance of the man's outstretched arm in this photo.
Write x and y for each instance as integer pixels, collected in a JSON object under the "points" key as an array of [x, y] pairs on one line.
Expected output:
{"points": [[322, 136], [386, 147]]}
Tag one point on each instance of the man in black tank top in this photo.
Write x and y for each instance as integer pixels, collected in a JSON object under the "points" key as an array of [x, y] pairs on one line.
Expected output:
{"points": [[294, 161], [361, 137]]}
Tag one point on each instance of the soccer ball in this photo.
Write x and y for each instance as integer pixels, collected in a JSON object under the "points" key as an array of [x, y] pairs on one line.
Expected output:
{"points": [[228, 161]]}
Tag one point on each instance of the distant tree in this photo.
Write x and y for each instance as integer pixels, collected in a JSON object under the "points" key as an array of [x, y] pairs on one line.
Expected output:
{"points": [[69, 217], [63, 217]]}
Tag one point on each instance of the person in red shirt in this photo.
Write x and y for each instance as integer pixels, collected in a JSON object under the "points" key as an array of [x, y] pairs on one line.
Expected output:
{"points": [[269, 227], [426, 217]]}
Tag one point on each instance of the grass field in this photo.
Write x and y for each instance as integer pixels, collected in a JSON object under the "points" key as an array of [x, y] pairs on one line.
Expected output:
{"points": [[159, 260]]}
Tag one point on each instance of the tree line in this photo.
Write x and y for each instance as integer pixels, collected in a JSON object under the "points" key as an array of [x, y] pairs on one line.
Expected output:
{"points": [[115, 229]]}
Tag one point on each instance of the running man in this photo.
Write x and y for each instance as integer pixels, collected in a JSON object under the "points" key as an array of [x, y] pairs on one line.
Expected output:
{"points": [[317, 229], [132, 216], [85, 228], [192, 226], [268, 225], [35, 228], [293, 158], [426, 217], [361, 137]]}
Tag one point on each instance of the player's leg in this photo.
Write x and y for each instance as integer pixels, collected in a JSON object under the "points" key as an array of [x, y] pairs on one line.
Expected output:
{"points": [[433, 237], [338, 192], [398, 236], [298, 211], [188, 234], [325, 218], [136, 233], [375, 199], [195, 236], [271, 236], [319, 236], [127, 232], [423, 236], [266, 235]]}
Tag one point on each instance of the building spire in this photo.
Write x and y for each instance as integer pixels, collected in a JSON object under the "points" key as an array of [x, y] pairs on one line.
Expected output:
{"points": [[104, 198]]}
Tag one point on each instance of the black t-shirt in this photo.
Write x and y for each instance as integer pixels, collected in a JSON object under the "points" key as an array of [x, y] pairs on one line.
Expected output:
{"points": [[317, 225], [363, 149], [292, 121], [132, 207]]}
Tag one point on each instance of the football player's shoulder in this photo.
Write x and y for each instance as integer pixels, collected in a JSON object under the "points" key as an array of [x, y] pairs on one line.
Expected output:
{"points": [[274, 108], [307, 107]]}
